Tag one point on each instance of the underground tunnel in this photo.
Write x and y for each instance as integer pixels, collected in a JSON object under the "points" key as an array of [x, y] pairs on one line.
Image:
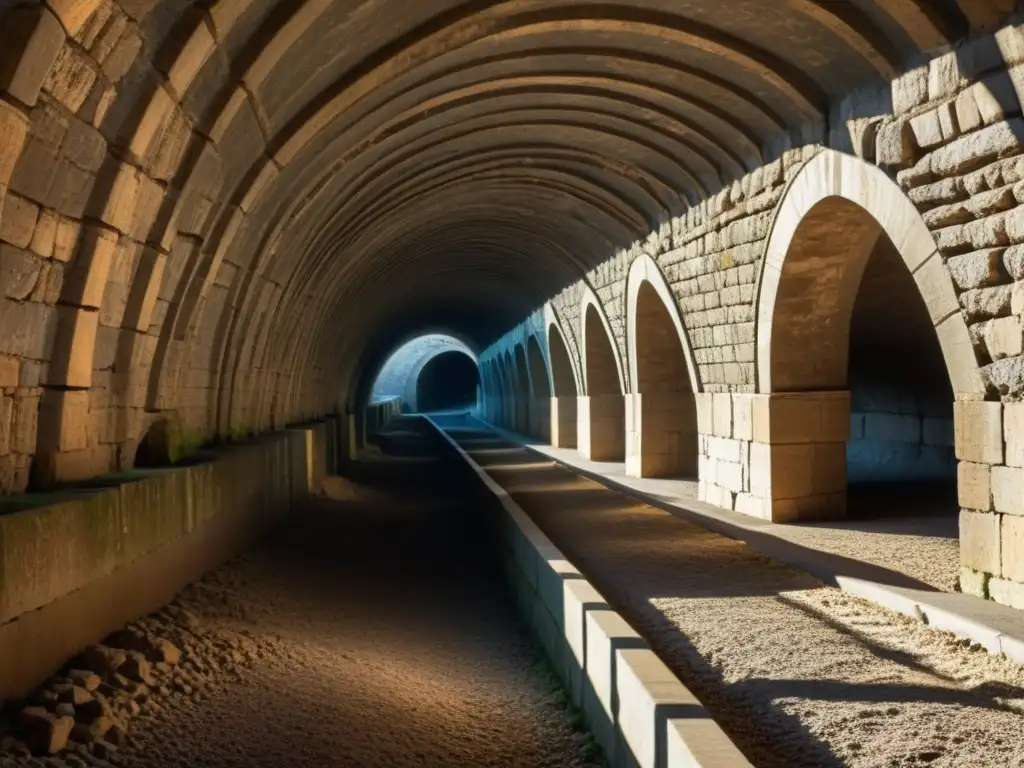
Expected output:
{"points": [[568, 383]]}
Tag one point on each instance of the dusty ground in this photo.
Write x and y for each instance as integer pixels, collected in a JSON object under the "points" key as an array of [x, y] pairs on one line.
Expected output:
{"points": [[898, 529], [797, 673], [366, 633]]}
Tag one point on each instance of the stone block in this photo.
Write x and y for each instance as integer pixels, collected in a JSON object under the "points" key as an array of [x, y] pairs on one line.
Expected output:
{"points": [[806, 417], [71, 78], [13, 130], [743, 417], [1013, 432], [1012, 538], [974, 486], [64, 420], [87, 278], [975, 149], [151, 124], [74, 14], [722, 414], [1004, 337], [894, 144], [73, 351], [978, 428], [1008, 490], [980, 269], [889, 427], [117, 194], [30, 39], [980, 542], [18, 220], [19, 272], [1006, 592], [973, 582], [910, 90], [927, 129], [190, 60]]}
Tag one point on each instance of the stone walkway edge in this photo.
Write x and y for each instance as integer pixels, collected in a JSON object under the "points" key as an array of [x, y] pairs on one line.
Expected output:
{"points": [[997, 628], [664, 724]]}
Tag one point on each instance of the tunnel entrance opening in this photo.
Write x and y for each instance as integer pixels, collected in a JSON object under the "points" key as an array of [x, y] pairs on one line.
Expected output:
{"points": [[563, 399], [662, 414], [447, 382], [401, 374], [601, 415], [860, 411]]}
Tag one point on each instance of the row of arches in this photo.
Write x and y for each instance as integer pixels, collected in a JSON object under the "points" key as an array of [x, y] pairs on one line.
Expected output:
{"points": [[859, 354]]}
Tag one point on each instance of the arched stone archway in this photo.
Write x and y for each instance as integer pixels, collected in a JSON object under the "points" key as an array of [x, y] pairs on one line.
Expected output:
{"points": [[511, 403], [446, 381], [540, 388], [601, 415], [661, 412], [841, 221], [566, 392], [521, 382]]}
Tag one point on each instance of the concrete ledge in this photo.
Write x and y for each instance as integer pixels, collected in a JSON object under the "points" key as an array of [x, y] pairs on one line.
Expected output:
{"points": [[638, 710], [79, 564], [997, 628]]}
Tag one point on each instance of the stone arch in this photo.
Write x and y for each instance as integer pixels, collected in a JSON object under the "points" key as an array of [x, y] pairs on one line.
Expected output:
{"points": [[839, 218], [661, 412], [565, 387], [523, 389], [512, 404], [457, 363], [540, 389], [857, 194], [598, 351], [601, 415], [645, 271]]}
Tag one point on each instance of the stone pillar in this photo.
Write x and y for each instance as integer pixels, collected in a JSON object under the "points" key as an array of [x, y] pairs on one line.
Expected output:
{"points": [[601, 427], [661, 435], [990, 447], [540, 418], [781, 457], [563, 422]]}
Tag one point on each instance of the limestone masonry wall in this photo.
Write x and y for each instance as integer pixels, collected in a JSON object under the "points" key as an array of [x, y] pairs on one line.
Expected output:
{"points": [[78, 565], [952, 138]]}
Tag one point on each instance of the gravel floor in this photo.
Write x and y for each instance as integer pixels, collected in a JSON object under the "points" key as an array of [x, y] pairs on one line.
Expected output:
{"points": [[900, 529], [799, 674], [369, 633]]}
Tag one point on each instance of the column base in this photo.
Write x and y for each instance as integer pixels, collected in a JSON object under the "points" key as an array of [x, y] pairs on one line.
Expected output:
{"points": [[661, 435], [563, 422], [601, 427]]}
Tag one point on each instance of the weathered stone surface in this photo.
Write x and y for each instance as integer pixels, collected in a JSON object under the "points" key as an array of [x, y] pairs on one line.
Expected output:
{"points": [[45, 734], [979, 269], [1006, 376], [894, 145], [1005, 338], [975, 149], [984, 303], [30, 39]]}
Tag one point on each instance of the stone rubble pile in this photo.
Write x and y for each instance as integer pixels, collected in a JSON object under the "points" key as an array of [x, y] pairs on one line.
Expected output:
{"points": [[81, 715]]}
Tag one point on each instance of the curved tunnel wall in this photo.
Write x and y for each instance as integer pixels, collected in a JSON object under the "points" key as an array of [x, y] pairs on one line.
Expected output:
{"points": [[228, 215], [194, 194]]}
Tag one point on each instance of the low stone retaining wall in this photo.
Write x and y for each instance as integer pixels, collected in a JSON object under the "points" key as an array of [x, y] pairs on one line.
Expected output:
{"points": [[638, 710], [77, 565]]}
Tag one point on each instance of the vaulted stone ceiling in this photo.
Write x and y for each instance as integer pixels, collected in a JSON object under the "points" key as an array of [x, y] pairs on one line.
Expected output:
{"points": [[354, 171]]}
